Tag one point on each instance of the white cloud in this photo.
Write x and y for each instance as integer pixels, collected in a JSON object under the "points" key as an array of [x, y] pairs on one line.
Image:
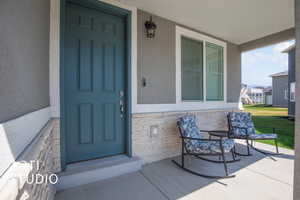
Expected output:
{"points": [[282, 46], [260, 63], [275, 57], [279, 57]]}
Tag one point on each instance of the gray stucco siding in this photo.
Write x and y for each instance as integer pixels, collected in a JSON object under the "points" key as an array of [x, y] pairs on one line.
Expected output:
{"points": [[24, 57], [280, 85], [234, 73], [156, 63]]}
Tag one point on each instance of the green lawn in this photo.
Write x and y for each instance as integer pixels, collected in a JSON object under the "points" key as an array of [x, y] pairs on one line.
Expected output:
{"points": [[273, 117]]}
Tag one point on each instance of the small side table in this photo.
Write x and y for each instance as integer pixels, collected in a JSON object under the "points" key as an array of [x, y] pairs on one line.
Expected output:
{"points": [[218, 133]]}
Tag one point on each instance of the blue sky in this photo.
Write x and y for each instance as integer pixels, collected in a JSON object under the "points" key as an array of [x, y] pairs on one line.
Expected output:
{"points": [[259, 64]]}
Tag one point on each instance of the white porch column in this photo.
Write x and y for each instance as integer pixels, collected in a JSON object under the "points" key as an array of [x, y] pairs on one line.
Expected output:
{"points": [[297, 128]]}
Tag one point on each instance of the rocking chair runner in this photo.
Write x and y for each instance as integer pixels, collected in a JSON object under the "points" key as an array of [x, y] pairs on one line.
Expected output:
{"points": [[241, 127], [193, 143]]}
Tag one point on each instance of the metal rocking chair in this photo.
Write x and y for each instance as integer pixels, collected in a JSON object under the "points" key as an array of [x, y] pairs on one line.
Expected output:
{"points": [[193, 143], [241, 127]]}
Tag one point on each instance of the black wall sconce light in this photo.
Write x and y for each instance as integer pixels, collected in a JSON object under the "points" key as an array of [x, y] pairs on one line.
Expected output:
{"points": [[150, 28]]}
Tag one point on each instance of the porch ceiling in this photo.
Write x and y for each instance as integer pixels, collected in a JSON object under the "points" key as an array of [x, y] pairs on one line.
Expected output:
{"points": [[237, 21]]}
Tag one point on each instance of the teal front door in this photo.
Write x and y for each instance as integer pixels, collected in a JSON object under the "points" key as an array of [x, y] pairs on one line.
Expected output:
{"points": [[94, 81]]}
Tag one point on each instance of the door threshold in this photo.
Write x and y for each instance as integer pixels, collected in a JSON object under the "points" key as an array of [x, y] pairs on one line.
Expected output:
{"points": [[95, 163], [96, 170]]}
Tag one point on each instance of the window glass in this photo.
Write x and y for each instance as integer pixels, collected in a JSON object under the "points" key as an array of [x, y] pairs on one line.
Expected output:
{"points": [[191, 69], [214, 72]]}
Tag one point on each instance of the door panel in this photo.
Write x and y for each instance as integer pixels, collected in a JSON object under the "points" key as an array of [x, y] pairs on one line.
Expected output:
{"points": [[94, 77], [86, 123]]}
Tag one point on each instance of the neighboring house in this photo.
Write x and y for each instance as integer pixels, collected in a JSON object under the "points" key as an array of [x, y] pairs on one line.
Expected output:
{"points": [[256, 94], [84, 80], [268, 96], [280, 92], [252, 95], [245, 99], [291, 80]]}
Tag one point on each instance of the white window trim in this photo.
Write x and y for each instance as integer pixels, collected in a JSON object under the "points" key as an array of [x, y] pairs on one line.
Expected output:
{"points": [[17, 134], [292, 100], [180, 32], [286, 94]]}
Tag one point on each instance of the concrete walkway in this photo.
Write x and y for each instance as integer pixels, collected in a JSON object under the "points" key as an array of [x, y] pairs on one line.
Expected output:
{"points": [[257, 177]]}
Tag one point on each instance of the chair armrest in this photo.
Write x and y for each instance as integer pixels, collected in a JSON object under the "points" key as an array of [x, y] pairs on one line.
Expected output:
{"points": [[206, 131]]}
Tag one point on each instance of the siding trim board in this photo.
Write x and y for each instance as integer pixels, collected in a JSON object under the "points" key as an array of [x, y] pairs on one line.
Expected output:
{"points": [[17, 134], [191, 106]]}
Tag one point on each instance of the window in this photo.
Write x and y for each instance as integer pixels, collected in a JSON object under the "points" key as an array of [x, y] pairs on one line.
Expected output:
{"points": [[200, 67], [214, 72], [191, 69], [292, 91]]}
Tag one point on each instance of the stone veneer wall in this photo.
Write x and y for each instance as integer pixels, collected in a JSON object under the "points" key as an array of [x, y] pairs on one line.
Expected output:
{"points": [[44, 148], [167, 142]]}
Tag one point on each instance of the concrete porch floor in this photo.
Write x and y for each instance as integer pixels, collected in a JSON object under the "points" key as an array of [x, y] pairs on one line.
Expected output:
{"points": [[257, 177]]}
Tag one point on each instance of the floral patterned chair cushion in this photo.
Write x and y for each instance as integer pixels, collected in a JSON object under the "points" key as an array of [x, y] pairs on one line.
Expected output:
{"points": [[240, 121], [189, 128], [207, 147]]}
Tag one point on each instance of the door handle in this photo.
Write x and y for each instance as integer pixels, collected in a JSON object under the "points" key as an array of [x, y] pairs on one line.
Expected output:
{"points": [[121, 93], [122, 108]]}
